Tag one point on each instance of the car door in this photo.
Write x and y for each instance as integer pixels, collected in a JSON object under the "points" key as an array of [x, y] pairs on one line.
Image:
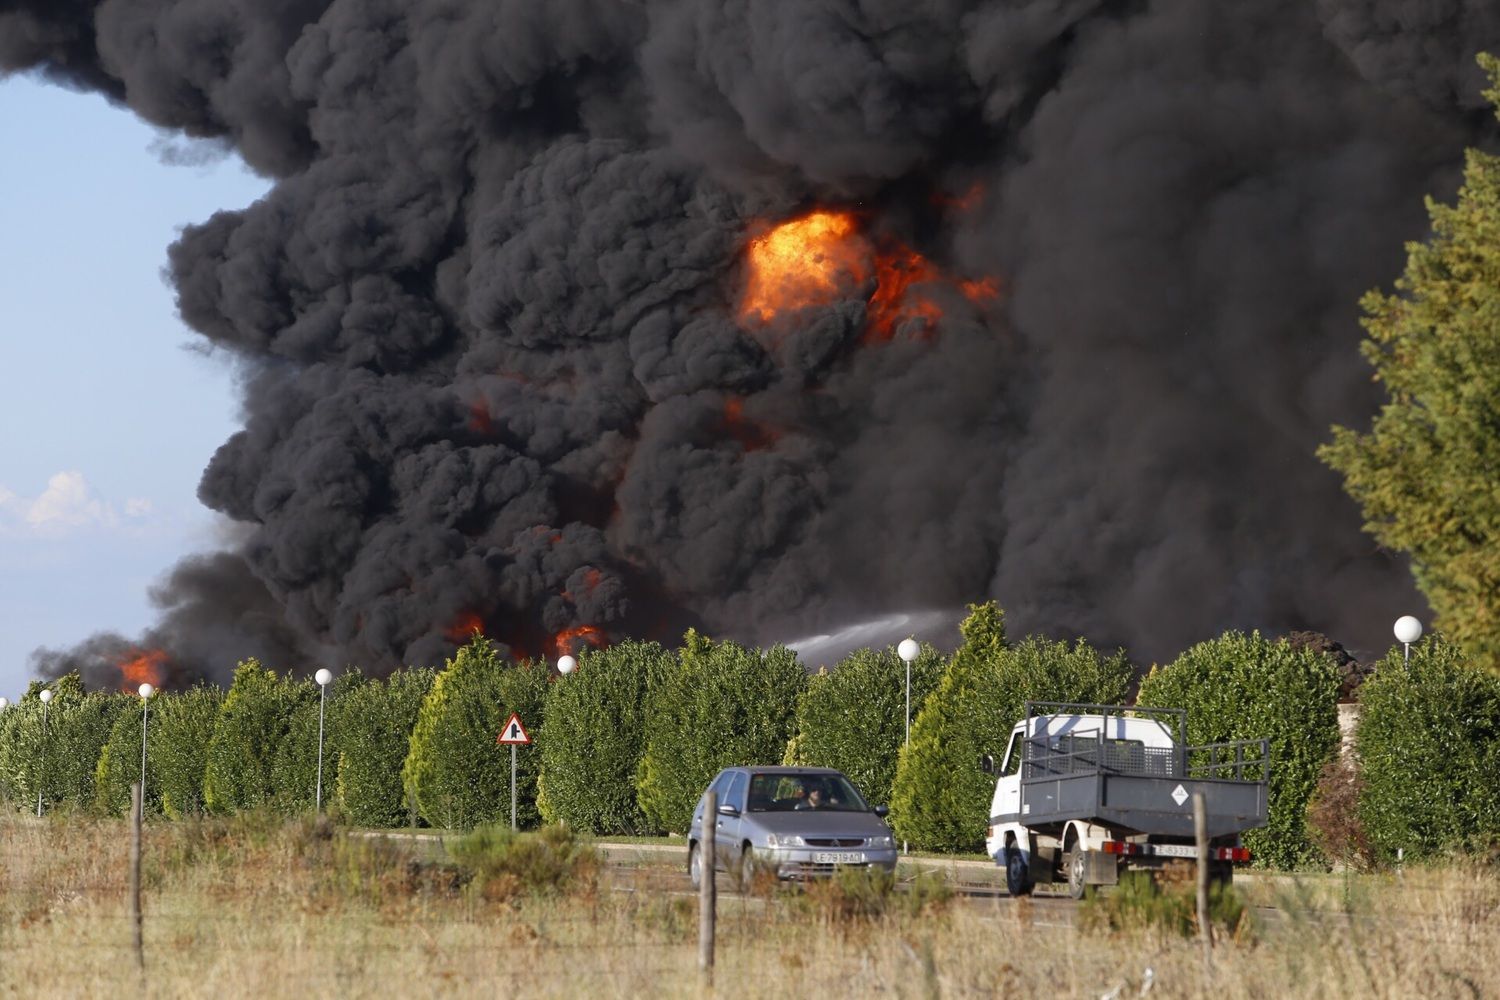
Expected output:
{"points": [[727, 841], [719, 785], [1007, 804]]}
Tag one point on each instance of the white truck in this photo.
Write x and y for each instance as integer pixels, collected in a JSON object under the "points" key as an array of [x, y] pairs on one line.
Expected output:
{"points": [[1084, 792]]}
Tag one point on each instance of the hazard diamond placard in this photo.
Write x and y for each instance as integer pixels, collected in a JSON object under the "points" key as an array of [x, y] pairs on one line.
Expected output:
{"points": [[513, 732]]}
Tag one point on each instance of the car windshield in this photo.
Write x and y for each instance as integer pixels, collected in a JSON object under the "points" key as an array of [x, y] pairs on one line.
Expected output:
{"points": [[785, 792]]}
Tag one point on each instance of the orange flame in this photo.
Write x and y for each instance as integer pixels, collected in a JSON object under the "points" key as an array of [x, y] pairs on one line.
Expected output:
{"points": [[569, 639], [894, 301], [810, 261], [822, 257], [480, 421], [980, 289], [146, 667], [463, 627]]}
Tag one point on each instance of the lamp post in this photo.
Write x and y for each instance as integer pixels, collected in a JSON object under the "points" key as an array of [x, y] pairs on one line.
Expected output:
{"points": [[323, 676], [908, 650], [145, 691], [566, 665], [1408, 631], [46, 696]]}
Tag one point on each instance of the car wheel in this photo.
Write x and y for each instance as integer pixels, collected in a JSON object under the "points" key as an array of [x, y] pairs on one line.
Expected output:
{"points": [[1017, 873], [695, 865], [748, 868]]}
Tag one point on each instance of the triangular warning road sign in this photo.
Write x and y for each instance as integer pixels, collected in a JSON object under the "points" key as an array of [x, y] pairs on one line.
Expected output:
{"points": [[513, 732]]}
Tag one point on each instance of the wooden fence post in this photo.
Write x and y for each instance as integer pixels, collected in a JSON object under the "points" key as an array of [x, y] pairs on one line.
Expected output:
{"points": [[137, 807], [707, 888], [1200, 833]]}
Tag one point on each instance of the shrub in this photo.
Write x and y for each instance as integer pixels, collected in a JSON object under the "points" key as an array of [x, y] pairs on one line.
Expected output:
{"points": [[1428, 743], [720, 704], [1166, 902], [1333, 821], [595, 726], [29, 752], [857, 895], [119, 764], [177, 738], [854, 717], [80, 730], [1241, 687], [294, 767], [506, 864], [940, 800], [455, 772], [253, 722], [375, 722]]}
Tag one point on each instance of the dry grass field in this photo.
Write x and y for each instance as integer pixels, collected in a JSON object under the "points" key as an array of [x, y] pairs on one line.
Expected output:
{"points": [[255, 907]]}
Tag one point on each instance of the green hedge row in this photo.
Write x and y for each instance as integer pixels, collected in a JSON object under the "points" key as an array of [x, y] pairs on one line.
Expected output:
{"points": [[626, 744]]}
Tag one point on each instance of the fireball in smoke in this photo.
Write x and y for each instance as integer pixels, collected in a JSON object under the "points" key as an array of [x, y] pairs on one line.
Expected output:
{"points": [[825, 256], [145, 667], [813, 260]]}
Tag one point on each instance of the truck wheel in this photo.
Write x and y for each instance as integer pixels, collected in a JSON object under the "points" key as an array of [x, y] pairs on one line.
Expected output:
{"points": [[1077, 870], [1017, 874], [695, 866]]}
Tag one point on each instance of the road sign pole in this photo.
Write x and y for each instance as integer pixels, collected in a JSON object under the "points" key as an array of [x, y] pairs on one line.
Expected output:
{"points": [[513, 788]]}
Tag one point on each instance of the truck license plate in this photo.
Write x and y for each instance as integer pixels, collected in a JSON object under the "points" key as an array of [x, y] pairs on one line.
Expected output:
{"points": [[838, 858], [1175, 850]]}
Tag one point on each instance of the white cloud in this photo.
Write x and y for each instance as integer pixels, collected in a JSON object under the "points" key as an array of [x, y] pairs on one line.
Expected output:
{"points": [[67, 506]]}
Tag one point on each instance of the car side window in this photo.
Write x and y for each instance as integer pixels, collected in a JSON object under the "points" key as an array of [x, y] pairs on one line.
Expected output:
{"points": [[735, 796]]}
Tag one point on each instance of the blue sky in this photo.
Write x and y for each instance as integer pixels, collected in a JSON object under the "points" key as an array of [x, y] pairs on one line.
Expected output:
{"points": [[107, 413]]}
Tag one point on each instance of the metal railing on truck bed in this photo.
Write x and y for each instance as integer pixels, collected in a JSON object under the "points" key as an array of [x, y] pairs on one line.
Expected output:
{"points": [[1093, 751]]}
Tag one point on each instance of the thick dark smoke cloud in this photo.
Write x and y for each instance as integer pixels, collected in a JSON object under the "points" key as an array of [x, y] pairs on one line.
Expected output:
{"points": [[488, 314]]}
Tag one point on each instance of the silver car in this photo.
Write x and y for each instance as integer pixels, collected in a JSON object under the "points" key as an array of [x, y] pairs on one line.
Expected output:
{"points": [[798, 822]]}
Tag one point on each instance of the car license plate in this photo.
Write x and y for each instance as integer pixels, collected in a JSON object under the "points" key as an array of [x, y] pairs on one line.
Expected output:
{"points": [[1174, 850], [838, 858]]}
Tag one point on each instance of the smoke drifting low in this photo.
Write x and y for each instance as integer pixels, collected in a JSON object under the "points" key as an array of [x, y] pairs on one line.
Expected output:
{"points": [[497, 372]]}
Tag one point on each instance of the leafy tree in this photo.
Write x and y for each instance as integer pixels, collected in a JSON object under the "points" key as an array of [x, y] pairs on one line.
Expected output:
{"points": [[254, 720], [940, 800], [80, 730], [1428, 744], [294, 768], [1425, 473], [29, 754], [373, 736], [119, 764], [455, 772], [720, 704], [177, 738], [1242, 687], [595, 725], [854, 717]]}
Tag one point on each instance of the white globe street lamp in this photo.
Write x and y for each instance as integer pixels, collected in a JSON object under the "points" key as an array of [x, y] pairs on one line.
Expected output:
{"points": [[1408, 630], [46, 696], [145, 691], [908, 650], [566, 665], [4, 704], [323, 676]]}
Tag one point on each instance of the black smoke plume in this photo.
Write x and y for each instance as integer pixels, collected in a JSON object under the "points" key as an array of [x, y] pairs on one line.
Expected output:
{"points": [[488, 313]]}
